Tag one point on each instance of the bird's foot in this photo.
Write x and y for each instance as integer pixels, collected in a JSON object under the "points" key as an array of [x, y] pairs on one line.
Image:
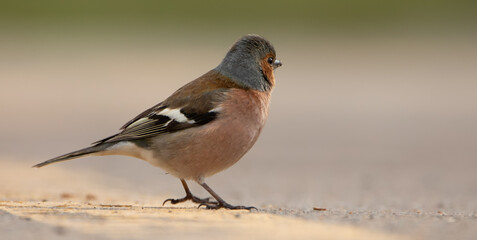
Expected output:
{"points": [[225, 205], [191, 198]]}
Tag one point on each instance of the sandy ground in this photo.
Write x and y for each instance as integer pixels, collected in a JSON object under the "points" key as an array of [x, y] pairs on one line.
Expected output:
{"points": [[379, 133], [48, 214]]}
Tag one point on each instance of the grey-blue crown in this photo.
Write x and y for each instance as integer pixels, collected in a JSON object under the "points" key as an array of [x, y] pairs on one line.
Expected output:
{"points": [[242, 62]]}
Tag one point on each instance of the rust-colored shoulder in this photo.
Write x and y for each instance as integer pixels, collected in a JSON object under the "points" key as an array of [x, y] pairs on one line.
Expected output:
{"points": [[201, 89]]}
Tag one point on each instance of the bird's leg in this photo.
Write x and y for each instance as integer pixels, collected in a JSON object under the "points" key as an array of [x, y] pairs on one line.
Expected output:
{"points": [[188, 196], [220, 202]]}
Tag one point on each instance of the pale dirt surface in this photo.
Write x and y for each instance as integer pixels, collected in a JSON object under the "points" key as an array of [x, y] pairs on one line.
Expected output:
{"points": [[379, 132], [49, 214]]}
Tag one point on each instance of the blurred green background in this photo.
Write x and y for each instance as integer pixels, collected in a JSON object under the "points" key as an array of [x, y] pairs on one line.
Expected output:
{"points": [[375, 104], [303, 16]]}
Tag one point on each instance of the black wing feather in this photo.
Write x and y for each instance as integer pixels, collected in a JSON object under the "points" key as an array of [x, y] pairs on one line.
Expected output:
{"points": [[150, 123]]}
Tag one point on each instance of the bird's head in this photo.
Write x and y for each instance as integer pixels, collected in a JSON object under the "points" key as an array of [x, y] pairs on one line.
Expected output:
{"points": [[250, 63]]}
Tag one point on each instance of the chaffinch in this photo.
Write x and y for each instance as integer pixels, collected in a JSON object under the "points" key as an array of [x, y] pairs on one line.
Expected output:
{"points": [[204, 127]]}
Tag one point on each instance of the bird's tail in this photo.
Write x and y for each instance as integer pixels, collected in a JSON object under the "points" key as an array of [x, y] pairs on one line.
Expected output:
{"points": [[77, 154]]}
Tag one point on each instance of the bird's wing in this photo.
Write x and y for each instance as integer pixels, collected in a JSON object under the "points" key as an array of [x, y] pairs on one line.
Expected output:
{"points": [[195, 104], [166, 119]]}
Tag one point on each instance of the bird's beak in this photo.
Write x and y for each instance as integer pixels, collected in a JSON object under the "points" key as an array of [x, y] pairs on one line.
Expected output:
{"points": [[277, 63]]}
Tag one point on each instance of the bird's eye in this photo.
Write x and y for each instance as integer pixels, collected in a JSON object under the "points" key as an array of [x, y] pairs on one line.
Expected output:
{"points": [[270, 60]]}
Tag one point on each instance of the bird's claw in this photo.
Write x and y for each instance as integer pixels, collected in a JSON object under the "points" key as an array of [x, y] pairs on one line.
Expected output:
{"points": [[191, 198], [216, 206]]}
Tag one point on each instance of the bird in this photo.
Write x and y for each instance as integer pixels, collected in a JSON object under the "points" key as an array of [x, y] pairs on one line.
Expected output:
{"points": [[205, 126]]}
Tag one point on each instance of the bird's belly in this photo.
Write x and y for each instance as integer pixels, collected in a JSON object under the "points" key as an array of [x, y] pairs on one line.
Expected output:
{"points": [[200, 152]]}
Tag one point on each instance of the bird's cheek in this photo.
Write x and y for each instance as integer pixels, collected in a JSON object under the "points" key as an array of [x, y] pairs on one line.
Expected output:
{"points": [[268, 72], [271, 77]]}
